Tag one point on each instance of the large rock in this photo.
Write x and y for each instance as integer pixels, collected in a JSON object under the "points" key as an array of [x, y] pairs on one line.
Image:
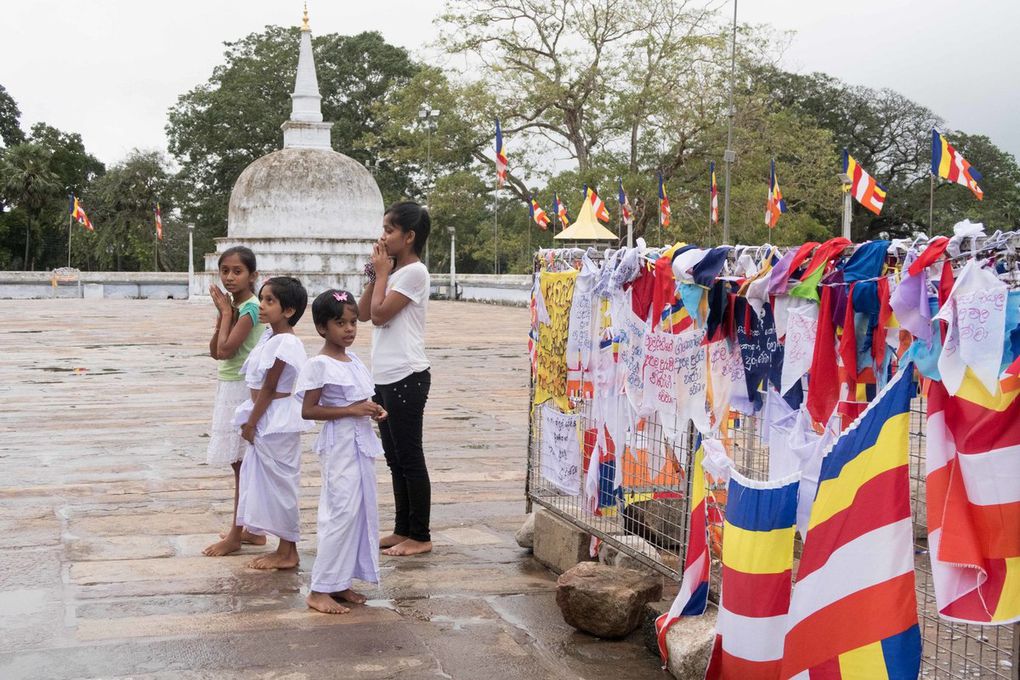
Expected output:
{"points": [[659, 521], [689, 642], [607, 602], [525, 536], [559, 544]]}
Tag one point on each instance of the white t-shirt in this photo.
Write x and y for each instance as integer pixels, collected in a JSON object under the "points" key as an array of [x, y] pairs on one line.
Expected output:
{"points": [[398, 347]]}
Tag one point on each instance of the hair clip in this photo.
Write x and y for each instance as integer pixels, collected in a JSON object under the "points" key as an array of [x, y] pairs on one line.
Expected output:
{"points": [[340, 297]]}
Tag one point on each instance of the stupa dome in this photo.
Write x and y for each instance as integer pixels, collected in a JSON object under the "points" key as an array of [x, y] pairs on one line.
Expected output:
{"points": [[305, 193]]}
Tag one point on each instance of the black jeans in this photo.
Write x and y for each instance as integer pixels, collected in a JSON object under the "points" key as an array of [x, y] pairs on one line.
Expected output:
{"points": [[401, 435]]}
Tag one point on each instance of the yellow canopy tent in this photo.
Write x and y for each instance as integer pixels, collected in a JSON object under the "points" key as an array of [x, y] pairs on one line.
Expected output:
{"points": [[586, 227]]}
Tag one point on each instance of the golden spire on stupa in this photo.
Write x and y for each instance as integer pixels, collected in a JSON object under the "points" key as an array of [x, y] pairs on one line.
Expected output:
{"points": [[304, 20]]}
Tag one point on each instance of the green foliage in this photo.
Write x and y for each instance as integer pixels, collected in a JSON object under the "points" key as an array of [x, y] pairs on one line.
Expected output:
{"points": [[28, 184], [10, 128]]}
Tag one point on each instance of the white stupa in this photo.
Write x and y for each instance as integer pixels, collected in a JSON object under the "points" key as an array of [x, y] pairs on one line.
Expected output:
{"points": [[305, 210]]}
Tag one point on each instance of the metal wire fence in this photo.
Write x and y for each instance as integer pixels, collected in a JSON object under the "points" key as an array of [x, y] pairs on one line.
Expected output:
{"points": [[647, 519]]}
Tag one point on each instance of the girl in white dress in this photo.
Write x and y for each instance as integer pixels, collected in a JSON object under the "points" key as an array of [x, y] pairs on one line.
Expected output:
{"points": [[271, 423], [337, 388]]}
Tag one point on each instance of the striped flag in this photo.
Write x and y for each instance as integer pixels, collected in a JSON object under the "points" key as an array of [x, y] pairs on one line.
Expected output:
{"points": [[757, 566], [854, 608], [664, 209], [597, 205], [693, 596], [501, 161], [713, 192], [775, 205], [863, 186], [78, 214], [625, 209], [973, 481], [159, 224], [947, 163], [538, 215], [675, 317], [560, 208]]}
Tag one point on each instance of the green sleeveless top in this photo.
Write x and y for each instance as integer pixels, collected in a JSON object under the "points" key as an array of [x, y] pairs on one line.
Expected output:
{"points": [[230, 369]]}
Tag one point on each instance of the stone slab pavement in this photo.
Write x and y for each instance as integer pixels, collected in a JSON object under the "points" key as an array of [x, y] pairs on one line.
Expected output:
{"points": [[106, 504]]}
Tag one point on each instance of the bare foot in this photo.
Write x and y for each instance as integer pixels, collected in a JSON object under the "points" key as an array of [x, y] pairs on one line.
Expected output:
{"points": [[324, 603], [350, 596], [248, 537], [409, 547], [225, 547], [274, 561], [391, 540]]}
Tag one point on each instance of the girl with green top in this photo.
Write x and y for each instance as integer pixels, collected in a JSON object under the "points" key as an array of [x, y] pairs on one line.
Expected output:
{"points": [[237, 331]]}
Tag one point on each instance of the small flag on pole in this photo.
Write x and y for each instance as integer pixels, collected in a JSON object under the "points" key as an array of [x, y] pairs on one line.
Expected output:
{"points": [[501, 160], [538, 215], [560, 208], [78, 214], [863, 186], [775, 205], [947, 163], [713, 192], [664, 209], [159, 224], [625, 209], [597, 205]]}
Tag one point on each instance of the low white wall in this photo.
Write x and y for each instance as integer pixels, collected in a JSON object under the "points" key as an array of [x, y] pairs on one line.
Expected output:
{"points": [[149, 285], [507, 289]]}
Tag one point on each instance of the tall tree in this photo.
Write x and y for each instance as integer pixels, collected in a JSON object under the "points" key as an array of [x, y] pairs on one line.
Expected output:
{"points": [[10, 114], [216, 129], [28, 183]]}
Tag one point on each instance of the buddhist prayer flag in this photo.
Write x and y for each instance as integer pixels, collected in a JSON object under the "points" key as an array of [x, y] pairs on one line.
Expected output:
{"points": [[693, 595], [863, 186], [598, 207], [854, 608], [501, 161], [757, 570], [625, 209], [159, 224], [775, 205], [973, 481], [538, 215], [947, 163], [664, 210], [560, 208], [78, 214], [713, 192]]}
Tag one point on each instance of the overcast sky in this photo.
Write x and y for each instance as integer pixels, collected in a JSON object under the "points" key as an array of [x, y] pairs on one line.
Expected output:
{"points": [[110, 69]]}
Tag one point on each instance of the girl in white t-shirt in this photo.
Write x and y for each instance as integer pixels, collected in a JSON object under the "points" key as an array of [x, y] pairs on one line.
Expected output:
{"points": [[395, 301]]}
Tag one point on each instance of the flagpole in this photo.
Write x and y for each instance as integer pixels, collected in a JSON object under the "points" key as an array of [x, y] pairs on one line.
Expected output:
{"points": [[155, 251], [729, 156], [70, 220], [495, 230], [931, 204]]}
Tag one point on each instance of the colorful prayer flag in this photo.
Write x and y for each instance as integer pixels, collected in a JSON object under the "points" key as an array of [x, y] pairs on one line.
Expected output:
{"points": [[693, 596], [854, 608], [78, 214], [159, 224], [625, 209], [664, 210], [597, 205], [757, 570], [713, 192], [501, 161], [775, 205], [947, 163], [973, 482], [863, 186], [538, 215], [560, 208]]}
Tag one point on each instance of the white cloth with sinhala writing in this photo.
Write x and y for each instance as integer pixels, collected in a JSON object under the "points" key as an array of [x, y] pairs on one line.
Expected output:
{"points": [[398, 346]]}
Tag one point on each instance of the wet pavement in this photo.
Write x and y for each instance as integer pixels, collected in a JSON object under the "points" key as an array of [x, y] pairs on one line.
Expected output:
{"points": [[106, 504]]}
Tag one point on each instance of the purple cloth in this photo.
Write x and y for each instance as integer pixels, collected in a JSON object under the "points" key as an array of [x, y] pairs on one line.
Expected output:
{"points": [[910, 304], [781, 274]]}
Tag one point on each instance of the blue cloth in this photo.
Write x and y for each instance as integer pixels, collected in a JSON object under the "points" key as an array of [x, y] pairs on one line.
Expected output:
{"points": [[866, 262], [690, 294], [706, 271]]}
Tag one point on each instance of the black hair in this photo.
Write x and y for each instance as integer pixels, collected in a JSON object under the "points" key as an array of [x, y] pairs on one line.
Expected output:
{"points": [[290, 293], [330, 305], [246, 256], [410, 216]]}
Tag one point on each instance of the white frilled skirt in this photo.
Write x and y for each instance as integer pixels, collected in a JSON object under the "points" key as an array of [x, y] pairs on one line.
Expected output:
{"points": [[225, 443], [348, 521], [268, 495]]}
